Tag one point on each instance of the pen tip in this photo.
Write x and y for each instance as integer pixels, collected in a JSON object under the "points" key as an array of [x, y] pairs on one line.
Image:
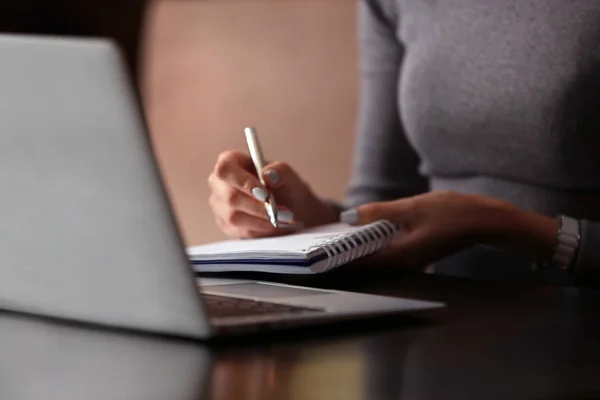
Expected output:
{"points": [[249, 129]]}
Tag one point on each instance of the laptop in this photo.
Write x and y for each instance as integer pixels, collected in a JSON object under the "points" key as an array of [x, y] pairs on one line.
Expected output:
{"points": [[88, 233]]}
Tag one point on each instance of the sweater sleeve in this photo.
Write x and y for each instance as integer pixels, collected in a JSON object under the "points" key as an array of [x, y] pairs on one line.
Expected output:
{"points": [[385, 166], [587, 264]]}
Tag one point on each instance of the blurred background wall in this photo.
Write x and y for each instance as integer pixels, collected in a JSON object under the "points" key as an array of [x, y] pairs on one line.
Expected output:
{"points": [[211, 67], [208, 68]]}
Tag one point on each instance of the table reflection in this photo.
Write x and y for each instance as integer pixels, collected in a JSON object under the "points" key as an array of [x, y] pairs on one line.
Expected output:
{"points": [[290, 371], [549, 355], [43, 360]]}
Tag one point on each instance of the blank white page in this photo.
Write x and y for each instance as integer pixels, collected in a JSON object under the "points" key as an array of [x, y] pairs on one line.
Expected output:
{"points": [[294, 245]]}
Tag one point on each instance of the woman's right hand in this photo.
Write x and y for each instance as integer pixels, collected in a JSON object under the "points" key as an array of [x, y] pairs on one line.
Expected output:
{"points": [[237, 197]]}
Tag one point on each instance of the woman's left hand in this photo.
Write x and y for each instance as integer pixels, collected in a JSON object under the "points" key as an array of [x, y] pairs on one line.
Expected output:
{"points": [[438, 224]]}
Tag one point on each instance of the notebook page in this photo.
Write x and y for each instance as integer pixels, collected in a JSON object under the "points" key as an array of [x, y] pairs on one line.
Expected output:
{"points": [[292, 246]]}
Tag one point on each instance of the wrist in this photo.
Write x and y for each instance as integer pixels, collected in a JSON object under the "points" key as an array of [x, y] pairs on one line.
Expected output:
{"points": [[528, 233]]}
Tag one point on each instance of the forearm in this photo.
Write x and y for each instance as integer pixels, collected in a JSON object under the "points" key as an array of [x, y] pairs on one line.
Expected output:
{"points": [[536, 236], [519, 230]]}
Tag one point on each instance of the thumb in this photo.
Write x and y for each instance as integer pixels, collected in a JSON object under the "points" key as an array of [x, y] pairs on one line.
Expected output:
{"points": [[393, 211], [280, 175]]}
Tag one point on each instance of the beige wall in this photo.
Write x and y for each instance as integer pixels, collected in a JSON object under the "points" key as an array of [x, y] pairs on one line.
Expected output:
{"points": [[287, 67]]}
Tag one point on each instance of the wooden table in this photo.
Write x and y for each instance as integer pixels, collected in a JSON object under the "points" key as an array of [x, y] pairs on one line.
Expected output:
{"points": [[494, 341]]}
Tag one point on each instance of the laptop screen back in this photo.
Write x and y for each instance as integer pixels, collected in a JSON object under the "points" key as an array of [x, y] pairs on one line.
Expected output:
{"points": [[86, 231]]}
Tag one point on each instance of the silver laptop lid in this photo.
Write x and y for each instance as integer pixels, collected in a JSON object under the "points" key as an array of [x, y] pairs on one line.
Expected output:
{"points": [[86, 229]]}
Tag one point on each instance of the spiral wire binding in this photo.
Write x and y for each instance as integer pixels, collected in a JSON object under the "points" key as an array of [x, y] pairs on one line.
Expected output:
{"points": [[357, 243]]}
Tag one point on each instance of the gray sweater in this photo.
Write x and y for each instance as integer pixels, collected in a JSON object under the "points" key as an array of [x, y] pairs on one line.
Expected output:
{"points": [[499, 98]]}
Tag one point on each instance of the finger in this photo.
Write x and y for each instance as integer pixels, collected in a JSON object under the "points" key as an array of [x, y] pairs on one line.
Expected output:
{"points": [[254, 205], [404, 248], [421, 246], [238, 203], [279, 174], [398, 212], [236, 217], [232, 167], [234, 198], [233, 194], [236, 232], [238, 157], [241, 220]]}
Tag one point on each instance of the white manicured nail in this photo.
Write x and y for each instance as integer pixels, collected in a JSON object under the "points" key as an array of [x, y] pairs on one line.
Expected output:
{"points": [[285, 216], [259, 193], [272, 176], [349, 216]]}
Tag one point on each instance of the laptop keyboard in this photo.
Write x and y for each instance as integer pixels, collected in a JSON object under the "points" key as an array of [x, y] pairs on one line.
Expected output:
{"points": [[222, 306]]}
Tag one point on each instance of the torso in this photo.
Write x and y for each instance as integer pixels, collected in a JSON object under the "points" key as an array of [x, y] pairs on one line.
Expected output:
{"points": [[502, 98], [507, 89]]}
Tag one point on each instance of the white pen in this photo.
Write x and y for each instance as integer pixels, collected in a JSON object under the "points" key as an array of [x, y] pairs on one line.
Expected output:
{"points": [[259, 164]]}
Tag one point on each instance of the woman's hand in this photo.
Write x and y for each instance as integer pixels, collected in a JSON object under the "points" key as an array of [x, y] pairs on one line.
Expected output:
{"points": [[438, 224], [237, 197]]}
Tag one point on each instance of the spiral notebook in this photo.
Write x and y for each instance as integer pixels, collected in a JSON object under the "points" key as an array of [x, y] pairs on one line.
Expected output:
{"points": [[309, 251]]}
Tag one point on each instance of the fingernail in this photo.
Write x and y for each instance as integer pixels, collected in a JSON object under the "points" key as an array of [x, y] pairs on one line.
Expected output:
{"points": [[285, 216], [272, 176], [259, 193], [349, 216]]}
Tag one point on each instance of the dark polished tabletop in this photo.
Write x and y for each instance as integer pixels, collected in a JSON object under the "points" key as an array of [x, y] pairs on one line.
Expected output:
{"points": [[494, 341]]}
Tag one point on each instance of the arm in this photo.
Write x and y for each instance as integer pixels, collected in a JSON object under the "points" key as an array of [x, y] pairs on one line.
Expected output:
{"points": [[385, 166], [535, 236], [438, 224]]}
